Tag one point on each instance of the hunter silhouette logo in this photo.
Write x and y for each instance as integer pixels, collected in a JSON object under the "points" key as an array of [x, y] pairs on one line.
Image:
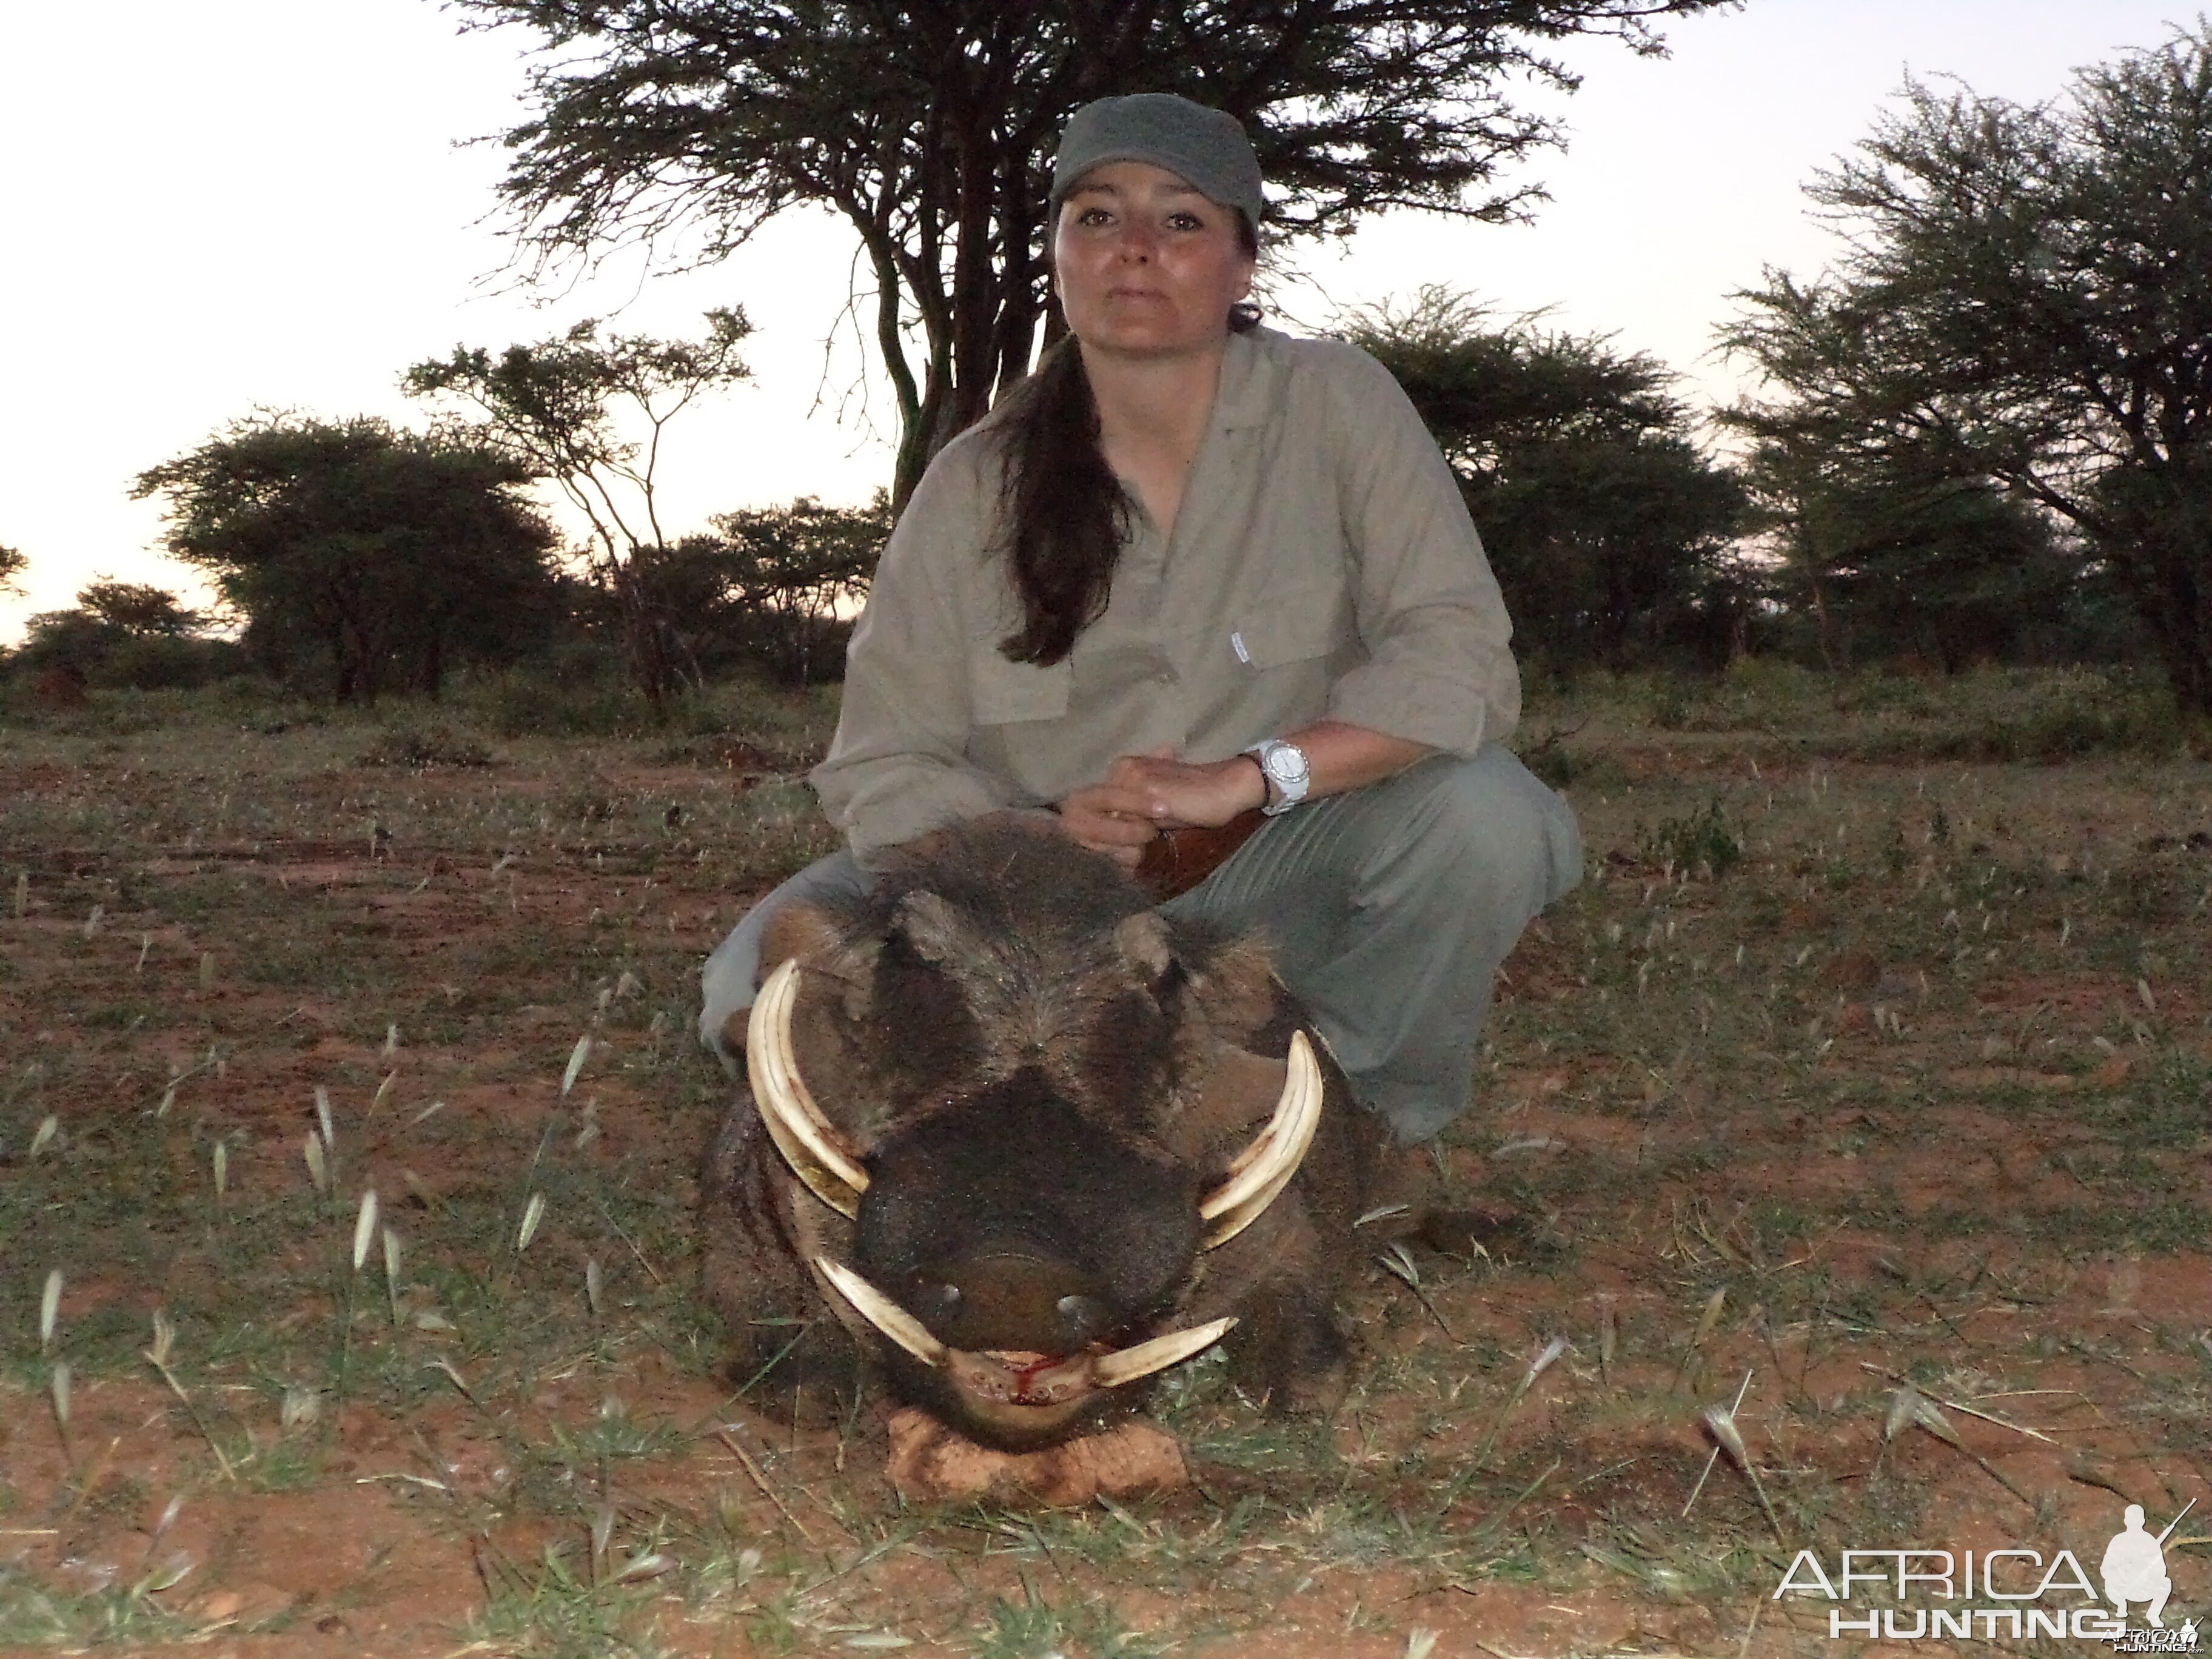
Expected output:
{"points": [[2134, 1568]]}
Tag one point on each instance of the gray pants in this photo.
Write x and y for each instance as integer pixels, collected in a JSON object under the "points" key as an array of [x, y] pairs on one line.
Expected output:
{"points": [[1390, 909]]}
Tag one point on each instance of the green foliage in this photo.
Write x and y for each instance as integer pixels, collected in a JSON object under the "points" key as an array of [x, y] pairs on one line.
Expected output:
{"points": [[1702, 843], [371, 553], [771, 587], [552, 405], [932, 130], [1608, 531], [1035, 1628], [571, 692], [137, 609], [2025, 298], [34, 1615], [69, 643], [1892, 558], [2170, 1106], [1995, 714], [418, 747], [1551, 757], [13, 564], [119, 634], [553, 408]]}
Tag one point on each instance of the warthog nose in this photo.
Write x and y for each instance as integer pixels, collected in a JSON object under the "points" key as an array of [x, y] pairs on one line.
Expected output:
{"points": [[1009, 1300]]}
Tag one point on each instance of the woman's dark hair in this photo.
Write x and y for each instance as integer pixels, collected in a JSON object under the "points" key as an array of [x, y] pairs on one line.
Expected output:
{"points": [[1065, 515]]}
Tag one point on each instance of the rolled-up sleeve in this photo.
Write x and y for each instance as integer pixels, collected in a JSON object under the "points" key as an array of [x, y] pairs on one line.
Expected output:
{"points": [[1439, 668], [898, 767]]}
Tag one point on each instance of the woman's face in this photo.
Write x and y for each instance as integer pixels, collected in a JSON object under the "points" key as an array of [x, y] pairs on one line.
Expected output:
{"points": [[1144, 266]]}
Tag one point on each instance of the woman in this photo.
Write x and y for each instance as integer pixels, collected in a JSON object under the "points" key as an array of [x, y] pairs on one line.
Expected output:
{"points": [[1191, 567]]}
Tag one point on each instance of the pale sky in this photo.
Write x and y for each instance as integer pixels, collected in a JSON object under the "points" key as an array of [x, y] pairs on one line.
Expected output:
{"points": [[227, 205]]}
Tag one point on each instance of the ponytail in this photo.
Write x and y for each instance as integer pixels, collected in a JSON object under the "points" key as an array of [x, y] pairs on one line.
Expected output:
{"points": [[1065, 514]]}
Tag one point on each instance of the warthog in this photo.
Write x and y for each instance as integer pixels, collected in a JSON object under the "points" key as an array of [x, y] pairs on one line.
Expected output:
{"points": [[1016, 1141]]}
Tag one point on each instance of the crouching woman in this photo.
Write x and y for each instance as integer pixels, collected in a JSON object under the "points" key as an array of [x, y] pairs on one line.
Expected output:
{"points": [[1193, 572]]}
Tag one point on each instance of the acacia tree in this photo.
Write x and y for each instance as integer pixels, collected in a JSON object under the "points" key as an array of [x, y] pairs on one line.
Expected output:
{"points": [[124, 633], [137, 609], [1609, 531], [557, 406], [770, 584], [12, 565], [1907, 558], [388, 547], [2026, 297], [930, 128]]}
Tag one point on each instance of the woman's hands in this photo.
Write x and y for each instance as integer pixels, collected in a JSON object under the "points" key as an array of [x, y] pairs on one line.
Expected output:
{"points": [[1144, 794]]}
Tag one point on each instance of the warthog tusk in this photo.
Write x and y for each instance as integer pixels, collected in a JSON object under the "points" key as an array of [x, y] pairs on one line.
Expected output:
{"points": [[1262, 1170], [817, 1153], [1105, 1372], [1112, 1371], [879, 1310], [1108, 1371]]}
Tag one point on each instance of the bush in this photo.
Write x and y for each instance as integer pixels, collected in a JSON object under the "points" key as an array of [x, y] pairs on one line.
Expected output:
{"points": [[529, 703], [1703, 844], [1993, 715], [2032, 714], [580, 688], [162, 663], [420, 747]]}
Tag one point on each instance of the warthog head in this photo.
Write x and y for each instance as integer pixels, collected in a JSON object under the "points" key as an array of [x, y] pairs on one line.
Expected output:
{"points": [[1018, 1119]]}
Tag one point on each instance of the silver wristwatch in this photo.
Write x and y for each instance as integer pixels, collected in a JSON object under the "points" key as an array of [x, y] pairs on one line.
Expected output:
{"points": [[1287, 771]]}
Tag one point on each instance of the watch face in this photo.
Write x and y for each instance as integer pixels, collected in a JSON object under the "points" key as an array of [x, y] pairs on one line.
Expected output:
{"points": [[1285, 765]]}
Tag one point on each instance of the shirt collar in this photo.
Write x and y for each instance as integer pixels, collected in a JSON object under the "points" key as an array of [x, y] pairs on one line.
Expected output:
{"points": [[1251, 382]]}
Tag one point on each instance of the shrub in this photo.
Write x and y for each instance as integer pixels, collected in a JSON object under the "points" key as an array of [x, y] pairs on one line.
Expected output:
{"points": [[1704, 843], [419, 747]]}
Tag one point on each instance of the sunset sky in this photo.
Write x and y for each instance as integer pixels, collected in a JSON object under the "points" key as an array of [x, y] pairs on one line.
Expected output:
{"points": [[243, 204]]}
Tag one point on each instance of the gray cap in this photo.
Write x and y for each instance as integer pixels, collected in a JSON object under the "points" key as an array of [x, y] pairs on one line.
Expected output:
{"points": [[1204, 147]]}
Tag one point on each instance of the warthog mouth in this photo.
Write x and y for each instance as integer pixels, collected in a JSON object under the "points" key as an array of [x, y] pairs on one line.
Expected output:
{"points": [[1054, 1383]]}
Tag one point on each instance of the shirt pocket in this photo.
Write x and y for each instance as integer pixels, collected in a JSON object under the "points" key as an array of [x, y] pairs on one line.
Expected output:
{"points": [[1004, 693], [1288, 624]]}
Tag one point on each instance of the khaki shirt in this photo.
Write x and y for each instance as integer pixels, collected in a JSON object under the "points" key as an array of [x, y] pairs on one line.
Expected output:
{"points": [[1322, 566]]}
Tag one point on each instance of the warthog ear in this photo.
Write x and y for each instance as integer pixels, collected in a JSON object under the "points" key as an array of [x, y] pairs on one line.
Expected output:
{"points": [[928, 924], [1144, 944], [804, 931], [1233, 984]]}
